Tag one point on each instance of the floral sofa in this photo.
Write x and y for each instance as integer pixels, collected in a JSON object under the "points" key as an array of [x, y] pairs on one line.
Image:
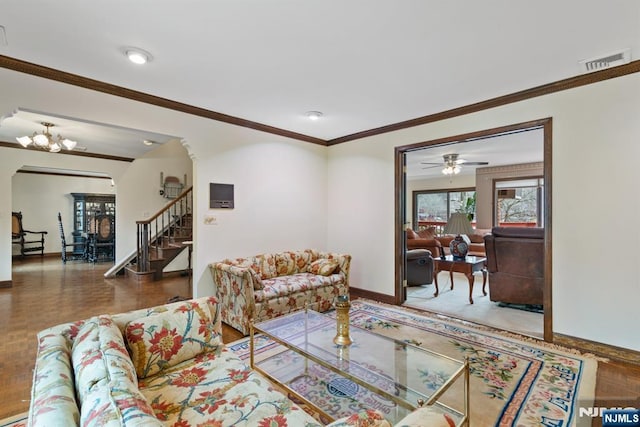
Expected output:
{"points": [[163, 366], [266, 286]]}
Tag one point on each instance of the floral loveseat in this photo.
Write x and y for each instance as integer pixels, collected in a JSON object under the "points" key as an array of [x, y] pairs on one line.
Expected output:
{"points": [[163, 366], [266, 286]]}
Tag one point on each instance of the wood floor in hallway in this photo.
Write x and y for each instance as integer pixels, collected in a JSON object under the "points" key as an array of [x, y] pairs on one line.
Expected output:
{"points": [[46, 293]]}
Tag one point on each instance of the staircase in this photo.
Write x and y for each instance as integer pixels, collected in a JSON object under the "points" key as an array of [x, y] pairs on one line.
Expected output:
{"points": [[160, 239]]}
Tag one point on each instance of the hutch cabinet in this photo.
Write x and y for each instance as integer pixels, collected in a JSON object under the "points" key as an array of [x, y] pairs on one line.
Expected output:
{"points": [[85, 207]]}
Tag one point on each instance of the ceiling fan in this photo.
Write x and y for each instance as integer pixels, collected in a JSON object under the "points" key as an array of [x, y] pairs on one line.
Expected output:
{"points": [[452, 164]]}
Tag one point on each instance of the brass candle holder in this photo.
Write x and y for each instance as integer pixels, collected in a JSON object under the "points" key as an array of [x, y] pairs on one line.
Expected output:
{"points": [[342, 321]]}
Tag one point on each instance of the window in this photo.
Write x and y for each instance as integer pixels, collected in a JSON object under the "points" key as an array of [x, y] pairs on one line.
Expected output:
{"points": [[519, 202], [433, 208]]}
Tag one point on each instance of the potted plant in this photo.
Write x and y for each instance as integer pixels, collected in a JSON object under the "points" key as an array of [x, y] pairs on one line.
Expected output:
{"points": [[469, 207]]}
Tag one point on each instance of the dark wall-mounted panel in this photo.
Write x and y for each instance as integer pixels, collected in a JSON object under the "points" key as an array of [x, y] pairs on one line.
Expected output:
{"points": [[221, 196]]}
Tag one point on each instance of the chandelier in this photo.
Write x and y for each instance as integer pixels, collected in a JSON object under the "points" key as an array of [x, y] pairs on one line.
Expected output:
{"points": [[45, 141]]}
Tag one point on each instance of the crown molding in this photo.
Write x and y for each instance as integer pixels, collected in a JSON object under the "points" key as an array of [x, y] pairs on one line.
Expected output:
{"points": [[68, 153], [546, 89], [87, 83]]}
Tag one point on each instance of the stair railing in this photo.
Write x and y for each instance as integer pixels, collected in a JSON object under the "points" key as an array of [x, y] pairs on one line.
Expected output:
{"points": [[163, 228]]}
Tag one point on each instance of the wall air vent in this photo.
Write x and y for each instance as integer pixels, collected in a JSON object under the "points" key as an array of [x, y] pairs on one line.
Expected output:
{"points": [[607, 61]]}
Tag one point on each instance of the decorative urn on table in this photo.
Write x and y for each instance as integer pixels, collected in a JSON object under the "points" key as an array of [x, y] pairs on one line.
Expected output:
{"points": [[459, 225], [342, 321]]}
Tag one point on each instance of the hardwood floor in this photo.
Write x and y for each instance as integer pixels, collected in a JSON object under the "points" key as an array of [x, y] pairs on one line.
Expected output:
{"points": [[45, 293]]}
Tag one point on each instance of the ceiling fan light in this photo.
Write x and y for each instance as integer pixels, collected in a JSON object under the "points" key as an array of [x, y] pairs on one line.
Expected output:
{"points": [[69, 144], [25, 141], [41, 140]]}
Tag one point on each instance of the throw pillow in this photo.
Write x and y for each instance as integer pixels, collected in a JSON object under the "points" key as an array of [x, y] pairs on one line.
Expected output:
{"points": [[411, 234], [98, 355], [257, 280], [367, 417], [119, 403], [323, 266], [427, 233], [285, 263], [163, 340], [427, 417], [476, 238]]}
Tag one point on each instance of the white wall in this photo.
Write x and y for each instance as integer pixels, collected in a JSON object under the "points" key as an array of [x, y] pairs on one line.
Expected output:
{"points": [[280, 184], [280, 199], [139, 192], [41, 197], [594, 185], [290, 195]]}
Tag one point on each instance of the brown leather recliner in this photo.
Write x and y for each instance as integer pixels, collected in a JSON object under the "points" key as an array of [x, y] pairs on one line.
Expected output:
{"points": [[419, 267], [515, 262]]}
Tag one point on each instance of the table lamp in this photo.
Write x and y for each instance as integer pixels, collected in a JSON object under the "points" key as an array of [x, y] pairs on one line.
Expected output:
{"points": [[459, 225]]}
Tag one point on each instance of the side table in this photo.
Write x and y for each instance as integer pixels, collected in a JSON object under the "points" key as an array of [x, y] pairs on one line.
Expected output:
{"points": [[467, 266]]}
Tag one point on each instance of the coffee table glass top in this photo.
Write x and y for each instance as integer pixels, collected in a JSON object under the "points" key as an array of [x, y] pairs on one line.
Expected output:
{"points": [[397, 371]]}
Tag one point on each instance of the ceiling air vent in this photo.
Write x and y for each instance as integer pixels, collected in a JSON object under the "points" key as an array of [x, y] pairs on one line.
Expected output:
{"points": [[608, 61]]}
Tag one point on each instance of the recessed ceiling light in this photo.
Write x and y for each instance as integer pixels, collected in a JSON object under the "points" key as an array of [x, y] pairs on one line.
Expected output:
{"points": [[137, 56], [147, 142], [313, 115]]}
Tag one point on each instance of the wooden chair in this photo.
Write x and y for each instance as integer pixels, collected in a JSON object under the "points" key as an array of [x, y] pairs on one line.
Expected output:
{"points": [[25, 238], [74, 245], [102, 239]]}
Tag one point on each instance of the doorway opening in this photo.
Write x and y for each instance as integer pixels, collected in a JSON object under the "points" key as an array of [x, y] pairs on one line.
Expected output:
{"points": [[80, 204], [491, 158]]}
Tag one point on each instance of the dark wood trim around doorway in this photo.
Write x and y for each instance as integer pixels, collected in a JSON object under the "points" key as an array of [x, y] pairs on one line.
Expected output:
{"points": [[544, 124]]}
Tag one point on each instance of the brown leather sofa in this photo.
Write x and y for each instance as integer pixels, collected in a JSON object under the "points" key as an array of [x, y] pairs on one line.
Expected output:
{"points": [[424, 240], [439, 245], [476, 247], [515, 262]]}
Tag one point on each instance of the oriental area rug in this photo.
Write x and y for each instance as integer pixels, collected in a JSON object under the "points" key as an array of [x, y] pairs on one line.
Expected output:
{"points": [[513, 382], [15, 421]]}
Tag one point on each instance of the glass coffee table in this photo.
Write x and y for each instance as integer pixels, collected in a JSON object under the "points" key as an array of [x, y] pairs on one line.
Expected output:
{"points": [[373, 372]]}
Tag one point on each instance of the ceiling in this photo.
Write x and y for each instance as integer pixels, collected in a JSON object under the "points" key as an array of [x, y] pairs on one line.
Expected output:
{"points": [[508, 149], [97, 138], [364, 64]]}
